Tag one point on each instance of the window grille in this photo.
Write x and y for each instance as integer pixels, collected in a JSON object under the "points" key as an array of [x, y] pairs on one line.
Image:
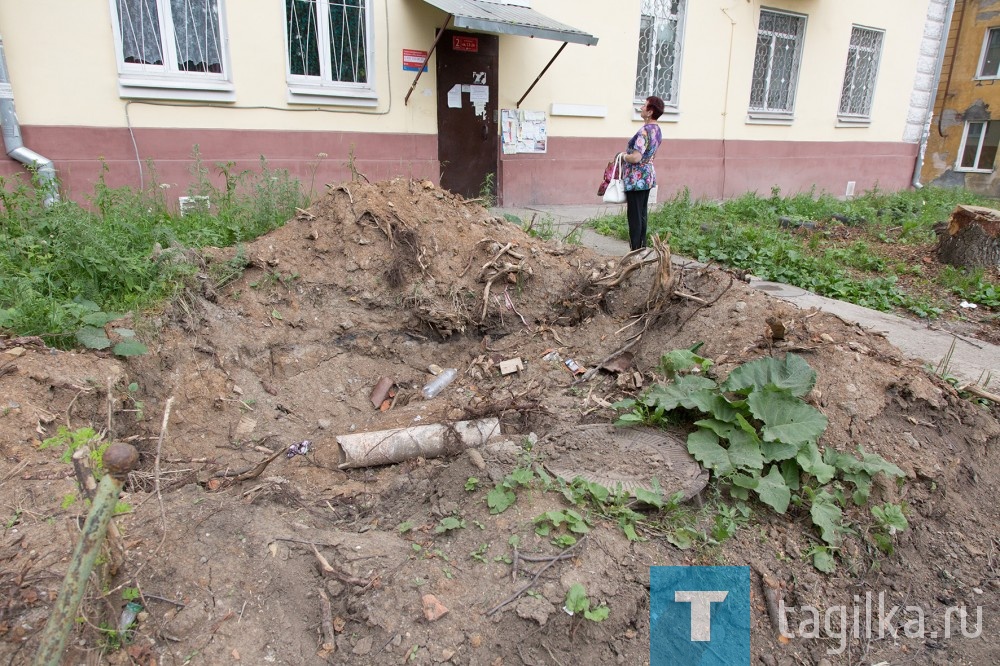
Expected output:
{"points": [[659, 50], [170, 36], [863, 57], [776, 62], [338, 29]]}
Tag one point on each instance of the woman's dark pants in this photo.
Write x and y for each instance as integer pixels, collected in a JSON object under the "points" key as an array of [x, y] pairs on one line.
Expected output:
{"points": [[637, 202]]}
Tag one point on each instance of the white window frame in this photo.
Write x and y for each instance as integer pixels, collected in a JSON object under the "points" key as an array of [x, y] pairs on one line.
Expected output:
{"points": [[780, 116], [166, 81], [860, 119], [982, 58], [979, 148], [672, 105], [303, 89]]}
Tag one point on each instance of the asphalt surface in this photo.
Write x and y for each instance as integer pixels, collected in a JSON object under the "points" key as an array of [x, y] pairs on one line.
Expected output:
{"points": [[971, 359]]}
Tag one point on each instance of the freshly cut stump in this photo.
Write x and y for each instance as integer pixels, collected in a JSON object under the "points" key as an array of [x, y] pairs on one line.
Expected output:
{"points": [[627, 458], [971, 239]]}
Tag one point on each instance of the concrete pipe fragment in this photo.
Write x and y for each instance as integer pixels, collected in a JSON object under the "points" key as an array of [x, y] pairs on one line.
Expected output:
{"points": [[384, 447]]}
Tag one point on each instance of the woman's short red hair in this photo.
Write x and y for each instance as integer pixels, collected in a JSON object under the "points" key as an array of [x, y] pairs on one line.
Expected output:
{"points": [[655, 105]]}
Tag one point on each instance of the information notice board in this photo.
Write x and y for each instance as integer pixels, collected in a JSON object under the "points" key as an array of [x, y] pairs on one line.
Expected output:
{"points": [[523, 131]]}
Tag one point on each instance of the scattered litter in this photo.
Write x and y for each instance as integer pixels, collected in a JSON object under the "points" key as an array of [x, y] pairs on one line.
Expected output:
{"points": [[300, 449], [435, 369], [381, 392], [967, 305], [619, 363], [436, 385], [575, 367], [510, 366], [552, 355], [128, 617]]}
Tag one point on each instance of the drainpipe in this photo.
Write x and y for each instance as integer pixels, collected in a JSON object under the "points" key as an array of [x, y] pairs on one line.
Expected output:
{"points": [[926, 131], [12, 137]]}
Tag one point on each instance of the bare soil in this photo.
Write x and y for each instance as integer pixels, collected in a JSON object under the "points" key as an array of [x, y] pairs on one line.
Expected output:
{"points": [[384, 280]]}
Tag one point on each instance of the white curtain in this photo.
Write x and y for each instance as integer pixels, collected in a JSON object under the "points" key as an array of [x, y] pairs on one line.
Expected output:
{"points": [[196, 34]]}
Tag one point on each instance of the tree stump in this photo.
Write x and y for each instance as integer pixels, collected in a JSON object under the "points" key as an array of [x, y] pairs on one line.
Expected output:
{"points": [[972, 238]]}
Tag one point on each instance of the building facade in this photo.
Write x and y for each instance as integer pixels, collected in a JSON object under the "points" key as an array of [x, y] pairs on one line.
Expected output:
{"points": [[525, 99], [963, 138]]}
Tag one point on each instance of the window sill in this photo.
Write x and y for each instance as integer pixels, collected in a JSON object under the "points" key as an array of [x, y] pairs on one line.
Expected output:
{"points": [[967, 170], [853, 121], [131, 87], [317, 95], [769, 118], [669, 115]]}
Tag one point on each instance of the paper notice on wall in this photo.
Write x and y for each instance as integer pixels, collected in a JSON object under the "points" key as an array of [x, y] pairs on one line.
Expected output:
{"points": [[523, 131], [479, 94], [455, 97]]}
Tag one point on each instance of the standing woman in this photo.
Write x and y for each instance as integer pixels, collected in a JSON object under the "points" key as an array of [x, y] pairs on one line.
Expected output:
{"points": [[640, 176]]}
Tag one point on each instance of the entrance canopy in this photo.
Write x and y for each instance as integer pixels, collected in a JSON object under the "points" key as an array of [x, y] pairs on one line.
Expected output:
{"points": [[504, 19]]}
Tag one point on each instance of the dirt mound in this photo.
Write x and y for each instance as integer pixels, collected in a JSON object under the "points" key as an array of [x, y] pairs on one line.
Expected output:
{"points": [[304, 562]]}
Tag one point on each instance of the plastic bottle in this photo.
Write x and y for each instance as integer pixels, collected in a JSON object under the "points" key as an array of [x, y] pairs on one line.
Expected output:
{"points": [[132, 609], [436, 385]]}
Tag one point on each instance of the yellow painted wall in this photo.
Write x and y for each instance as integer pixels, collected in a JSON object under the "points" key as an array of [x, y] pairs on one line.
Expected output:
{"points": [[62, 63], [959, 92], [719, 39], [62, 66]]}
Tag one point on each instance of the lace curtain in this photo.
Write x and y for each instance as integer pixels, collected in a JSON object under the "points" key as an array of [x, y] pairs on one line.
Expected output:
{"points": [[195, 25]]}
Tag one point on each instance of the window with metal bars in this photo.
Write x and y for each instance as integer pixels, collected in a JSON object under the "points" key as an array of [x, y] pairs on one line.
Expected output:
{"points": [[979, 146], [170, 38], [657, 72], [989, 61], [776, 62], [328, 41], [863, 57]]}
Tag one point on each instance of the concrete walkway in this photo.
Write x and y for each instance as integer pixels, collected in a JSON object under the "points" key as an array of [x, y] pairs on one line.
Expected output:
{"points": [[970, 360]]}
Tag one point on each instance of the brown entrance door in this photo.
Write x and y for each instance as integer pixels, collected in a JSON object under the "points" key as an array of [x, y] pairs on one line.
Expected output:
{"points": [[467, 65]]}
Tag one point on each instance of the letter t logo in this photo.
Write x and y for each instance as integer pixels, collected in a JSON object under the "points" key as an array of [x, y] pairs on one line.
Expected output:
{"points": [[701, 611]]}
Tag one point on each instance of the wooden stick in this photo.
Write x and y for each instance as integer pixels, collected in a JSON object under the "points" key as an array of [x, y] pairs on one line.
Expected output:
{"points": [[329, 639], [156, 468], [531, 583], [979, 393], [328, 570]]}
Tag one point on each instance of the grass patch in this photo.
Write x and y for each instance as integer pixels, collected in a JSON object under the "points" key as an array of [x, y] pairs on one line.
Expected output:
{"points": [[865, 250], [67, 267]]}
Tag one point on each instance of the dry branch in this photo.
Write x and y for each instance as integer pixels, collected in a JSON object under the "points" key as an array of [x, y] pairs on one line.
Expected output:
{"points": [[327, 570], [975, 390], [561, 556], [329, 639]]}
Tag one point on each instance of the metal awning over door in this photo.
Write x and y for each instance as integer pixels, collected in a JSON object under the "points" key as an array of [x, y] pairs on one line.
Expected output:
{"points": [[504, 19]]}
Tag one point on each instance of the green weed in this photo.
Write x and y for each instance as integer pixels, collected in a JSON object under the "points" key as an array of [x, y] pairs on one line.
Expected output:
{"points": [[757, 435], [67, 270], [578, 602], [761, 235]]}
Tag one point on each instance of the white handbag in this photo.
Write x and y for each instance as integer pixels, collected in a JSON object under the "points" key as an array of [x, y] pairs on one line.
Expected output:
{"points": [[615, 193]]}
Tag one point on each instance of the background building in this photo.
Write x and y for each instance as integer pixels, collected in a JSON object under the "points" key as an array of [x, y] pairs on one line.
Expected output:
{"points": [[527, 98], [963, 139]]}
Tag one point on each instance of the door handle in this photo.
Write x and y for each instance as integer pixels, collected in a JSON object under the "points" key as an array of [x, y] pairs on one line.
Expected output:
{"points": [[486, 131]]}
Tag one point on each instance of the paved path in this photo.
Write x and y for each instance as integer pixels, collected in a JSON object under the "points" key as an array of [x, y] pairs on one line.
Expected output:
{"points": [[970, 360]]}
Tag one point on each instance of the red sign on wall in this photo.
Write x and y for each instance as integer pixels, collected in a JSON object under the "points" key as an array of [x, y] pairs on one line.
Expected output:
{"points": [[414, 61], [470, 44]]}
